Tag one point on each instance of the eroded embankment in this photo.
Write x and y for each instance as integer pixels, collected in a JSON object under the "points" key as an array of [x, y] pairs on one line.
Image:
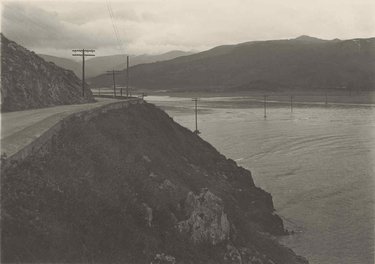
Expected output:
{"points": [[132, 186]]}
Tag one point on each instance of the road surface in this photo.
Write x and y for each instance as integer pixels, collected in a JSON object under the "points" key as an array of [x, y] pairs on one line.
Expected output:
{"points": [[21, 127]]}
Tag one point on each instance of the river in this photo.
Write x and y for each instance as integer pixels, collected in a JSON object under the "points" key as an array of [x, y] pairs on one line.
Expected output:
{"points": [[318, 162]]}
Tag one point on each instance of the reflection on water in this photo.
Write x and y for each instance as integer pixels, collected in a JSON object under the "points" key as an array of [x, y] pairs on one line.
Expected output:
{"points": [[317, 162]]}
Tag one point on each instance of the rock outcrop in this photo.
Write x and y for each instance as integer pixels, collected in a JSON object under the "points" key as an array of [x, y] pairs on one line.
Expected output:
{"points": [[28, 81], [207, 220], [133, 186]]}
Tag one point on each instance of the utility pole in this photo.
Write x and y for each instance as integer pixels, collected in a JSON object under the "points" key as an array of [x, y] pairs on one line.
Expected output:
{"points": [[127, 76], [265, 106], [326, 99], [83, 53], [196, 116], [113, 73], [291, 103]]}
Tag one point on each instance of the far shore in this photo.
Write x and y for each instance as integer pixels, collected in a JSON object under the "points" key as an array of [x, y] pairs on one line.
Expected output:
{"points": [[298, 96]]}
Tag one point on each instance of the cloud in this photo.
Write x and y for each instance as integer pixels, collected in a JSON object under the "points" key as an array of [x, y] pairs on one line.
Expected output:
{"points": [[155, 26], [34, 27]]}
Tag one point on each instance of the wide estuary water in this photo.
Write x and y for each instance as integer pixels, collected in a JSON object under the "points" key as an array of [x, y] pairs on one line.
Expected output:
{"points": [[318, 162]]}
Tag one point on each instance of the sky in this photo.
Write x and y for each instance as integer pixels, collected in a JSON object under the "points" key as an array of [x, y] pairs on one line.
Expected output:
{"points": [[56, 27]]}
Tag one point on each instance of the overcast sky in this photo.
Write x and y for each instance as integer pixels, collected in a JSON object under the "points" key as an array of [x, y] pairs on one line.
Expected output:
{"points": [[156, 26]]}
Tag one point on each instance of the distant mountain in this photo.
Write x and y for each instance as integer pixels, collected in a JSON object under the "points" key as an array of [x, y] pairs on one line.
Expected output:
{"points": [[301, 63], [99, 65], [28, 81], [68, 64], [309, 39]]}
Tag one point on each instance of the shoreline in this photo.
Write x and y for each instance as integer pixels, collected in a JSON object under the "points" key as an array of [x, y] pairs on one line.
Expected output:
{"points": [[363, 98], [299, 96], [275, 100]]}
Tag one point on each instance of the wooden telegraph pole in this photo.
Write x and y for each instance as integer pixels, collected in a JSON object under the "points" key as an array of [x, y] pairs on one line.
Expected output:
{"points": [[291, 103], [196, 116], [83, 53], [326, 99], [265, 106], [113, 73], [127, 76]]}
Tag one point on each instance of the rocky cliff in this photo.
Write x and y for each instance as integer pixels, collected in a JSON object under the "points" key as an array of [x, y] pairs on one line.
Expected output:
{"points": [[133, 186], [27, 81]]}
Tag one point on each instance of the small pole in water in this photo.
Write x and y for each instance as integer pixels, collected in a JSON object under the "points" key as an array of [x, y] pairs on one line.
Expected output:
{"points": [[196, 116], [291, 103], [326, 99], [265, 106]]}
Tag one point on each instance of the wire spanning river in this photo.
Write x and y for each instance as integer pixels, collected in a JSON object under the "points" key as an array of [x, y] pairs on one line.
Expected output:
{"points": [[317, 162]]}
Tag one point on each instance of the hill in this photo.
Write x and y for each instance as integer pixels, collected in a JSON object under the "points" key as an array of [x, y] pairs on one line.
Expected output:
{"points": [[68, 64], [302, 63], [133, 186], [28, 81], [99, 65]]}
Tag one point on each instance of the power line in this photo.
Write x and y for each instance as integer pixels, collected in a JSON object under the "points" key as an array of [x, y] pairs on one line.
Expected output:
{"points": [[114, 25], [120, 43]]}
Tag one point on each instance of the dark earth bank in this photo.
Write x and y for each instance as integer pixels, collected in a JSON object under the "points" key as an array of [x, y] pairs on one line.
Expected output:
{"points": [[133, 186]]}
